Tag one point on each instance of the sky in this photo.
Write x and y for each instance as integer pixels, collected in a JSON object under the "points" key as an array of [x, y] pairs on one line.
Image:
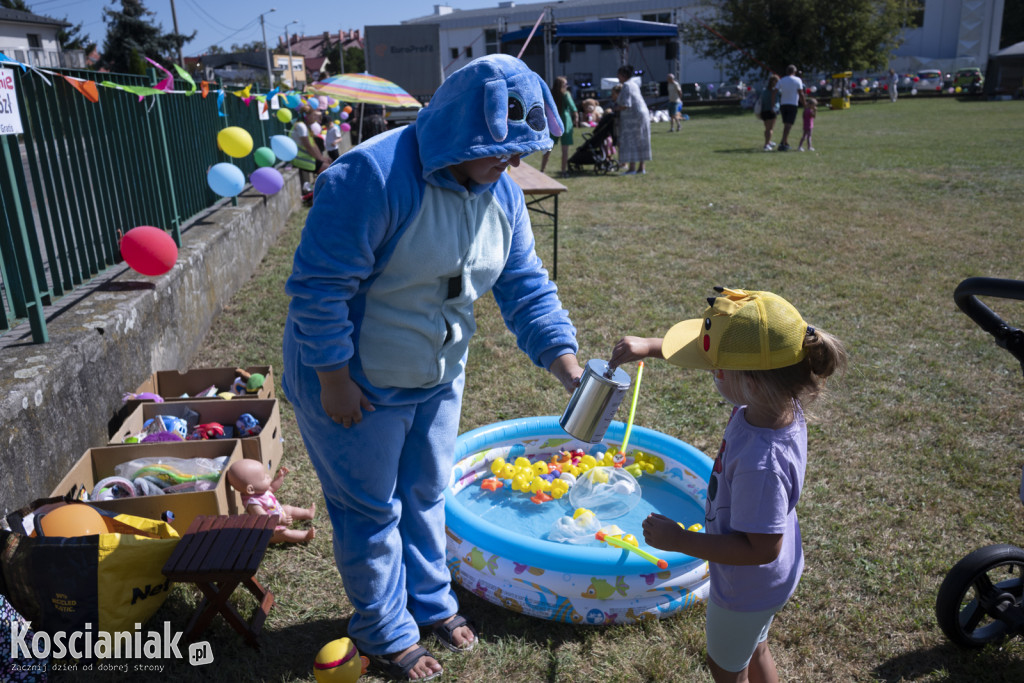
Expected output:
{"points": [[229, 22]]}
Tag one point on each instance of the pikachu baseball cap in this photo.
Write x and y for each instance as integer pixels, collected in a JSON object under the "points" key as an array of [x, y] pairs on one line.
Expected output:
{"points": [[740, 330]]}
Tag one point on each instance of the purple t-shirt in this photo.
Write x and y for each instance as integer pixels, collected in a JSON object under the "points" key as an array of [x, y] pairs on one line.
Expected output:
{"points": [[754, 487]]}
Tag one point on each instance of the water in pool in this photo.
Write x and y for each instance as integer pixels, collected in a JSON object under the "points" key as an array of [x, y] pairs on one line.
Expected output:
{"points": [[515, 511]]}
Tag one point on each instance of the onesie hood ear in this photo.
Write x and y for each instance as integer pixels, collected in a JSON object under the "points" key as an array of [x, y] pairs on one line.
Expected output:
{"points": [[493, 106]]}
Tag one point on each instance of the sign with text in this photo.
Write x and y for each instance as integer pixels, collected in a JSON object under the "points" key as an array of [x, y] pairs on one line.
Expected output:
{"points": [[10, 118], [407, 55]]}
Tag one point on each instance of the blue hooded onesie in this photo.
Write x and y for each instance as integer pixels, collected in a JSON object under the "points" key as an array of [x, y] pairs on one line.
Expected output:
{"points": [[393, 255]]}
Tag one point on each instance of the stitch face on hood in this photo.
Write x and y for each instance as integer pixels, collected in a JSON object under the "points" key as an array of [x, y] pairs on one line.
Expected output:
{"points": [[493, 106]]}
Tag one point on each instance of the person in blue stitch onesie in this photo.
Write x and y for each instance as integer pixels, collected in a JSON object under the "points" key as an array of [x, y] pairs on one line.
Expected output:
{"points": [[406, 231]]}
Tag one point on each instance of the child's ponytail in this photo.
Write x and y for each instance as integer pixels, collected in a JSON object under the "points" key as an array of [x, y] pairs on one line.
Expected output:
{"points": [[803, 382]]}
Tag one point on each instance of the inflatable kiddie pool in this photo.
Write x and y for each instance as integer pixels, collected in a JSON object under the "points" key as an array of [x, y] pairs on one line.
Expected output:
{"points": [[498, 543]]}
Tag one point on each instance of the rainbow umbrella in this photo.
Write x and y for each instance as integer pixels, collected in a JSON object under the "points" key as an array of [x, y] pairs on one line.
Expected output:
{"points": [[364, 88]]}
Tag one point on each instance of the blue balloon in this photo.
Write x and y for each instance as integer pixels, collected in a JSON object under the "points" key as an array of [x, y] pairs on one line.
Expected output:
{"points": [[225, 179], [284, 147], [267, 180]]}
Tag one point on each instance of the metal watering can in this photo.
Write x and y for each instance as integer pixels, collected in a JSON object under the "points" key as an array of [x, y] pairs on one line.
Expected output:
{"points": [[595, 401]]}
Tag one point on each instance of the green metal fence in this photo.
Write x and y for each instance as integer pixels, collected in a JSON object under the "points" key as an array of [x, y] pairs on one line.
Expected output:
{"points": [[83, 173]]}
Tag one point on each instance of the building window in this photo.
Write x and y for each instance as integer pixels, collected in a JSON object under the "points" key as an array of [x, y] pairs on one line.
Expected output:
{"points": [[661, 18], [34, 41], [491, 45], [455, 53], [469, 52]]}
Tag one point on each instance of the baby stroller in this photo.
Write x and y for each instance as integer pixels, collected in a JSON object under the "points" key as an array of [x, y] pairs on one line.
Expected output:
{"points": [[981, 600], [594, 149]]}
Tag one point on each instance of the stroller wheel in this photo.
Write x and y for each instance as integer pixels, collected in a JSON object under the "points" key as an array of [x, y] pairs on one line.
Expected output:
{"points": [[980, 599]]}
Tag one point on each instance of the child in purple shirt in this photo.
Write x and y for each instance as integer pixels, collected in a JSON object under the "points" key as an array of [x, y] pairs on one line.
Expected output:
{"points": [[767, 362]]}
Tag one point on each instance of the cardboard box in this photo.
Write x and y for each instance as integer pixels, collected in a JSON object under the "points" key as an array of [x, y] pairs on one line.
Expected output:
{"points": [[265, 447], [171, 384], [98, 463]]}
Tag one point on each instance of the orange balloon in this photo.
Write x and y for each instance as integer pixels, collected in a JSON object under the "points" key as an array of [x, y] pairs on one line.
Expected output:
{"points": [[347, 109], [73, 520]]}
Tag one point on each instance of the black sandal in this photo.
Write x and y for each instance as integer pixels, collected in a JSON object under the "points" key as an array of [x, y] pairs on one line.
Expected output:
{"points": [[398, 669], [444, 631]]}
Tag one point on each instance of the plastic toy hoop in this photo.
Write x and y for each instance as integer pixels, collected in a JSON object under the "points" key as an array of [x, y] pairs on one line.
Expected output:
{"points": [[553, 580]]}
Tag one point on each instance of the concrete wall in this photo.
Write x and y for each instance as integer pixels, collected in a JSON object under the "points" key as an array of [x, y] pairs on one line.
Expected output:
{"points": [[56, 399]]}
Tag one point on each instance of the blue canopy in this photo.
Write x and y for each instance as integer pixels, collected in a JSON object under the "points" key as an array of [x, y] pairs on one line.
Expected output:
{"points": [[602, 30]]}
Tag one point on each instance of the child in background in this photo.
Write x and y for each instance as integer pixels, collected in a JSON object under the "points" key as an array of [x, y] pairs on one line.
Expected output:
{"points": [[569, 117], [332, 136], [810, 111], [768, 363]]}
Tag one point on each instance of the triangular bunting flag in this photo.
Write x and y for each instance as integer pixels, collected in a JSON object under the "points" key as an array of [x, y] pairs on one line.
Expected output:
{"points": [[87, 88]]}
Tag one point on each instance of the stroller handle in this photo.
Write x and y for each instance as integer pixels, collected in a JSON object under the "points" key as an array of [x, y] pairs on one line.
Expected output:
{"points": [[966, 298]]}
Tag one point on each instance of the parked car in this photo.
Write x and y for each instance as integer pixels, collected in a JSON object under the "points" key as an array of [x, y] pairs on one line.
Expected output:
{"points": [[969, 80], [928, 79]]}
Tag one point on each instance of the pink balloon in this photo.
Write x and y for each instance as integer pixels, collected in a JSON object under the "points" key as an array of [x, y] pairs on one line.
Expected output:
{"points": [[346, 126]]}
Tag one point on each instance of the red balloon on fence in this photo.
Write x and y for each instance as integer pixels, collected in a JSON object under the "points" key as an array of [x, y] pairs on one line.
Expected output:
{"points": [[149, 250]]}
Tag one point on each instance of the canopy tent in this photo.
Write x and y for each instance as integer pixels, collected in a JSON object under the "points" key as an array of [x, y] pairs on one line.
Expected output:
{"points": [[601, 31], [1006, 71]]}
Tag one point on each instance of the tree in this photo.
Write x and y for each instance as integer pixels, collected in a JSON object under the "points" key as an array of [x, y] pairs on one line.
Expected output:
{"points": [[355, 60], [747, 36], [254, 46], [72, 38], [131, 37]]}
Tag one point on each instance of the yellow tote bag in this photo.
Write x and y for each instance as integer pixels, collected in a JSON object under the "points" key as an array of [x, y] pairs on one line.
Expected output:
{"points": [[110, 581]]}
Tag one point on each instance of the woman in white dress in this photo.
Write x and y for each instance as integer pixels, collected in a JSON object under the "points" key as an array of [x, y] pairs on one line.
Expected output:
{"points": [[634, 125]]}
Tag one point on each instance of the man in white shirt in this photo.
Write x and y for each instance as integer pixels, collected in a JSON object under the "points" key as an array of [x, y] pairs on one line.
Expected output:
{"points": [[791, 98]]}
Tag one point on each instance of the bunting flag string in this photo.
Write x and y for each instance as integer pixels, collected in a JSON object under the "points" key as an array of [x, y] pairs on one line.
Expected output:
{"points": [[89, 90]]}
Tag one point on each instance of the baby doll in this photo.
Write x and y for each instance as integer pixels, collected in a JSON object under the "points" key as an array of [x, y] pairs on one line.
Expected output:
{"points": [[252, 480]]}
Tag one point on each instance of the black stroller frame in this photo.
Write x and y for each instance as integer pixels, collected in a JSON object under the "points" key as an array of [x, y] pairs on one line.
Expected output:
{"points": [[981, 600], [592, 151]]}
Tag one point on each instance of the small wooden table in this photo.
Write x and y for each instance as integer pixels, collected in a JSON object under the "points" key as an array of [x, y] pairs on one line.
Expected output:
{"points": [[539, 188], [217, 554]]}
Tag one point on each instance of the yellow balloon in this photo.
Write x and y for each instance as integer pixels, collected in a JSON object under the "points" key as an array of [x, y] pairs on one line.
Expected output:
{"points": [[338, 662], [284, 115], [236, 142]]}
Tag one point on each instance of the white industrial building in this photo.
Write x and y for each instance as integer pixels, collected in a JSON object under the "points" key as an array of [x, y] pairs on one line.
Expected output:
{"points": [[952, 34]]}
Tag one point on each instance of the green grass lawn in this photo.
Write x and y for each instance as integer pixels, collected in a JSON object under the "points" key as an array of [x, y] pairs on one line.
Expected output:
{"points": [[914, 456]]}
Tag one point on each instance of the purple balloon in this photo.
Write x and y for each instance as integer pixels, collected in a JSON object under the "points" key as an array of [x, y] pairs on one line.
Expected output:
{"points": [[267, 180]]}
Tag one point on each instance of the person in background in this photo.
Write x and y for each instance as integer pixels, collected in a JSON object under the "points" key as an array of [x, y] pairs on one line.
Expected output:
{"points": [[634, 124], [406, 232], [675, 104], [309, 160], [810, 111], [768, 363], [569, 116], [770, 110], [332, 136], [791, 98], [894, 81], [611, 142]]}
